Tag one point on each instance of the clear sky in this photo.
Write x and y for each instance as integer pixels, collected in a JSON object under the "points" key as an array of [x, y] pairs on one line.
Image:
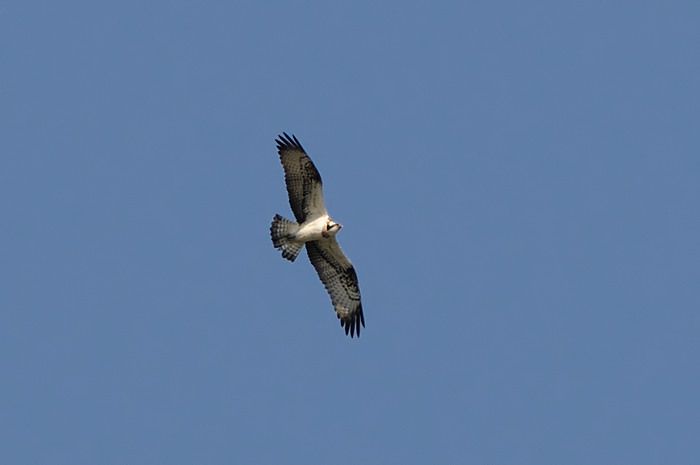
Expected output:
{"points": [[519, 184]]}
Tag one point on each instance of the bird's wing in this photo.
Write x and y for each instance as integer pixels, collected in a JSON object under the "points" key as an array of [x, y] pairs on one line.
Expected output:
{"points": [[302, 178], [338, 276]]}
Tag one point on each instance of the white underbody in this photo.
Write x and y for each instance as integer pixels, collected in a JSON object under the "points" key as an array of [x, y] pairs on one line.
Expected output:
{"points": [[313, 230]]}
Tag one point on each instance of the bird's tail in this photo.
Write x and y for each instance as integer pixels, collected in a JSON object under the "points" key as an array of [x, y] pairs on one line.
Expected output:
{"points": [[282, 233]]}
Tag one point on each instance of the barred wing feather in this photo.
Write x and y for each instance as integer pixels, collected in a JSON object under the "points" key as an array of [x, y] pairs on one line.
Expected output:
{"points": [[338, 276], [304, 186]]}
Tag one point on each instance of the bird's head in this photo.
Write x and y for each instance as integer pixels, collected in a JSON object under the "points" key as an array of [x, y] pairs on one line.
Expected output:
{"points": [[332, 228]]}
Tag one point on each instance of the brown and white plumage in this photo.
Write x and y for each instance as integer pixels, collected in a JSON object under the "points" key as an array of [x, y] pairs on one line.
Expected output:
{"points": [[338, 276], [317, 231], [303, 180]]}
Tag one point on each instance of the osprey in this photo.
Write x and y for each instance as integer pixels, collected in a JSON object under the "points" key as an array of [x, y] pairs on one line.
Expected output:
{"points": [[315, 228]]}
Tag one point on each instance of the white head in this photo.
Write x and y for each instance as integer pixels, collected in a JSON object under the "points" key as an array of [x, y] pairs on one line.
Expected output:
{"points": [[332, 228]]}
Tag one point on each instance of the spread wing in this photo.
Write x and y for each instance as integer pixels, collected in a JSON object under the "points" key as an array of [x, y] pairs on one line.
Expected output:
{"points": [[302, 178], [338, 276]]}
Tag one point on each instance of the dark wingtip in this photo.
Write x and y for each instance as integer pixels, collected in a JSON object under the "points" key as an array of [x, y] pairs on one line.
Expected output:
{"points": [[286, 142], [352, 324]]}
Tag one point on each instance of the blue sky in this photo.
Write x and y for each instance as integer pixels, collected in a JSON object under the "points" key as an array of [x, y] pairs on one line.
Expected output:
{"points": [[518, 184]]}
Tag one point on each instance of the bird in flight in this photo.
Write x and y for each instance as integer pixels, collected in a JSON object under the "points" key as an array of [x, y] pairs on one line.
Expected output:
{"points": [[315, 229]]}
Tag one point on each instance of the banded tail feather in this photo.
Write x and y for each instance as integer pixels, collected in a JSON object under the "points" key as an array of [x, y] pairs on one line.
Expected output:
{"points": [[281, 231]]}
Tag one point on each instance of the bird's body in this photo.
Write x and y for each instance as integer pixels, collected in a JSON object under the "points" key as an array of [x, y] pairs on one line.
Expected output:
{"points": [[315, 230]]}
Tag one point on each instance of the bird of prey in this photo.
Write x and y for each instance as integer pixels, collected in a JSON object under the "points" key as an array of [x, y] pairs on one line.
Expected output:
{"points": [[315, 229]]}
